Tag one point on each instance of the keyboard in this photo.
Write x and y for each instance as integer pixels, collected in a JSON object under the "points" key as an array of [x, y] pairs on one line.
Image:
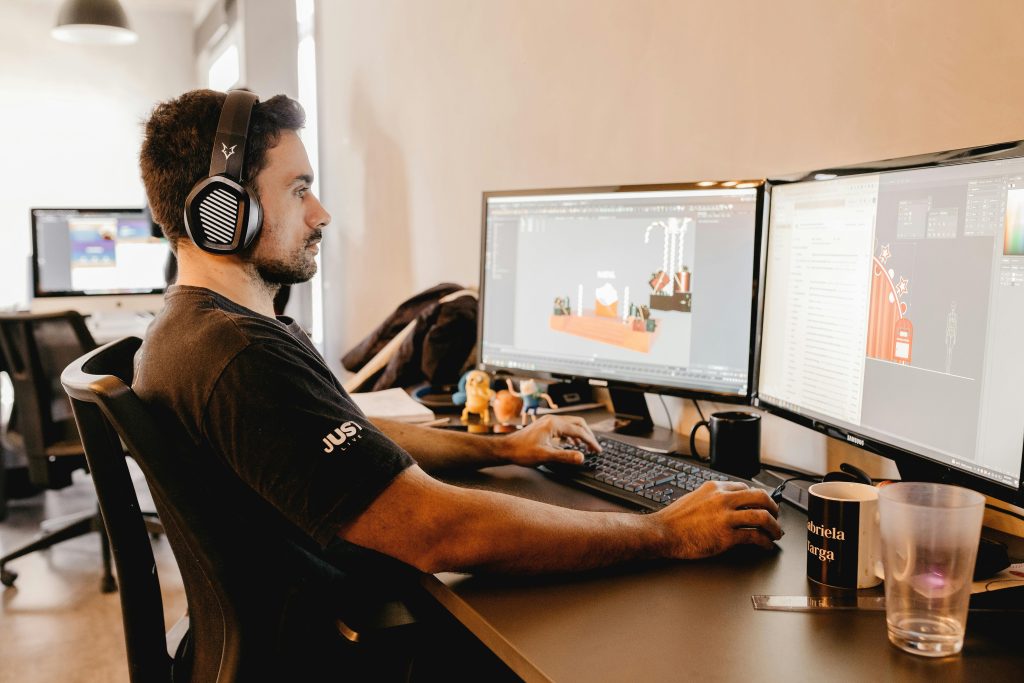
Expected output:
{"points": [[636, 475]]}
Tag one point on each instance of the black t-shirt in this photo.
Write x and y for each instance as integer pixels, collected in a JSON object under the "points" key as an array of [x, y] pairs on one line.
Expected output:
{"points": [[253, 392]]}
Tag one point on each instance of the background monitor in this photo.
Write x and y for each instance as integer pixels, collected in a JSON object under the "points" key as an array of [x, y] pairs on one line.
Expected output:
{"points": [[96, 260], [894, 311], [645, 288]]}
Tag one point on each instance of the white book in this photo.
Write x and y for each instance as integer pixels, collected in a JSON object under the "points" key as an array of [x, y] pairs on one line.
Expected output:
{"points": [[393, 404]]}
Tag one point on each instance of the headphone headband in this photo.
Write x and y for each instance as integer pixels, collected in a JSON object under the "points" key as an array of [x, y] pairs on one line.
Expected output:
{"points": [[232, 129], [222, 216]]}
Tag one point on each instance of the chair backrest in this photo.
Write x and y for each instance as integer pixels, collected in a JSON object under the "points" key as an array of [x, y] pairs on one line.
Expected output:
{"points": [[141, 603], [36, 347], [247, 587]]}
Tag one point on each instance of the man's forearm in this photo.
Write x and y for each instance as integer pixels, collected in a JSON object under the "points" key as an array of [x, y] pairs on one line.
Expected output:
{"points": [[437, 527], [441, 449], [509, 535]]}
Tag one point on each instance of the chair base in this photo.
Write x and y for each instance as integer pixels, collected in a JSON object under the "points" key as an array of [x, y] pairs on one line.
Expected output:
{"points": [[73, 526]]}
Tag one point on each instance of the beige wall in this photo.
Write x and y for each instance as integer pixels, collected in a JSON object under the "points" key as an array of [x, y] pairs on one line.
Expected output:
{"points": [[424, 105], [71, 116]]}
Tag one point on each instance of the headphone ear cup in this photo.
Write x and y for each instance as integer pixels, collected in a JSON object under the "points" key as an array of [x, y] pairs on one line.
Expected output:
{"points": [[219, 215], [255, 219]]}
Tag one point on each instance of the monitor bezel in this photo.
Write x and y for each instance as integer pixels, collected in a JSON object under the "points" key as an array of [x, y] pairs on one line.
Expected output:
{"points": [[39, 294], [911, 465], [546, 376]]}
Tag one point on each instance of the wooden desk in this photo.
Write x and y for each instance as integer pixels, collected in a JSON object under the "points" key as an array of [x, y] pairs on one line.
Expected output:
{"points": [[682, 621]]}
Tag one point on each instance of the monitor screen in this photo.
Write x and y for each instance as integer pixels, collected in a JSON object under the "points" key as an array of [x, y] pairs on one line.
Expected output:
{"points": [[894, 310], [80, 252], [638, 287]]}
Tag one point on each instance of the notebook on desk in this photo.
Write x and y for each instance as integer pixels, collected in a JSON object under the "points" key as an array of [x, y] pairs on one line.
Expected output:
{"points": [[392, 404]]}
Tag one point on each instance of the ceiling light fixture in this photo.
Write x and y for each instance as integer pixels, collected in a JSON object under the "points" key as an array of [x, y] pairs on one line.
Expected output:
{"points": [[97, 22]]}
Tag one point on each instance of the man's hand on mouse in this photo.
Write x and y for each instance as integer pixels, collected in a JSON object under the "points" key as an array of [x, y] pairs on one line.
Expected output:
{"points": [[545, 441], [716, 517]]}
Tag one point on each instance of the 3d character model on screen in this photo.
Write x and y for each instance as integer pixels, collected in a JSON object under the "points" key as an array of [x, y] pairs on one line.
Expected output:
{"points": [[951, 325], [890, 330], [670, 286], [614, 319], [475, 391], [531, 395]]}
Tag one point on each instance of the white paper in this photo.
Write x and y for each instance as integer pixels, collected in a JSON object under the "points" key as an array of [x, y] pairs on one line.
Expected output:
{"points": [[392, 404]]}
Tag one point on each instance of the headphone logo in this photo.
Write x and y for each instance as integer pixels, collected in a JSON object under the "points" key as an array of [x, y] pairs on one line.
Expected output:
{"points": [[227, 152]]}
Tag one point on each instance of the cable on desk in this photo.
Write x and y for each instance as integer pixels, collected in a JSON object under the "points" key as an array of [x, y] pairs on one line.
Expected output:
{"points": [[996, 508], [667, 413], [776, 494], [699, 411]]}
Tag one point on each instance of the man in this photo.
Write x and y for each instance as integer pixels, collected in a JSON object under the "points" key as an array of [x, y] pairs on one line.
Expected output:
{"points": [[250, 390]]}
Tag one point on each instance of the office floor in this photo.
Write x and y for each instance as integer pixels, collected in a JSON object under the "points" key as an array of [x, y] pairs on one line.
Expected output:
{"points": [[55, 624]]}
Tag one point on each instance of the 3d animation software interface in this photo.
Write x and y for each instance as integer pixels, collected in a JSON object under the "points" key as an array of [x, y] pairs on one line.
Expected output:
{"points": [[894, 307], [98, 253], [648, 287]]}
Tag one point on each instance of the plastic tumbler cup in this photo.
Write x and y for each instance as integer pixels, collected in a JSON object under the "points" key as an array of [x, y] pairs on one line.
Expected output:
{"points": [[930, 535]]}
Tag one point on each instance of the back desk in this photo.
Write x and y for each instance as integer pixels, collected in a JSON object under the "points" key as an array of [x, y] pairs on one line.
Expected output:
{"points": [[679, 621]]}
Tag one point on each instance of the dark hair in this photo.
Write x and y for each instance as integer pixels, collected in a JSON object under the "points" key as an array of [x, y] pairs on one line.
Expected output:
{"points": [[178, 139]]}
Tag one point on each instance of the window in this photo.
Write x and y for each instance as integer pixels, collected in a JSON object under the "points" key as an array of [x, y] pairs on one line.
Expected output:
{"points": [[224, 73]]}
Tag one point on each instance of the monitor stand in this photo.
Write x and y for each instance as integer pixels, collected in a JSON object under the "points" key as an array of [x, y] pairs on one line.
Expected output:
{"points": [[633, 423], [631, 414]]}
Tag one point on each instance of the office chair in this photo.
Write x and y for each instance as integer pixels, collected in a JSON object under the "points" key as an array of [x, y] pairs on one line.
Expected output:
{"points": [[35, 348], [261, 605]]}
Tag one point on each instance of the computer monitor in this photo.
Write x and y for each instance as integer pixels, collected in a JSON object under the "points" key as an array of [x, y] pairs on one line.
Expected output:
{"points": [[96, 260], [894, 312], [641, 288]]}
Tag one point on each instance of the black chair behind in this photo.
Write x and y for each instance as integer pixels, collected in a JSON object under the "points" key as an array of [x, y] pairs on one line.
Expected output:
{"points": [[260, 605], [35, 348]]}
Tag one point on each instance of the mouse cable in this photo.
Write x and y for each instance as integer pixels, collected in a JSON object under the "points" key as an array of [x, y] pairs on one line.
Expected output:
{"points": [[776, 494]]}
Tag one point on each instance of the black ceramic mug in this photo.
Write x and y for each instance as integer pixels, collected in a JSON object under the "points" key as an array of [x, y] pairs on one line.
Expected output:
{"points": [[843, 539], [735, 442]]}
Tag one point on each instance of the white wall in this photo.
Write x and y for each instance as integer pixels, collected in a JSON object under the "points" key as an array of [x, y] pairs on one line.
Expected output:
{"points": [[424, 105], [71, 117]]}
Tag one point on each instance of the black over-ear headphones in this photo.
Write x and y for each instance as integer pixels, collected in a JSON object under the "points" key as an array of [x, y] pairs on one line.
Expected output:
{"points": [[221, 215]]}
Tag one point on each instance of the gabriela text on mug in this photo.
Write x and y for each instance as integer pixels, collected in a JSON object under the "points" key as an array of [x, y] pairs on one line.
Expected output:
{"points": [[825, 532]]}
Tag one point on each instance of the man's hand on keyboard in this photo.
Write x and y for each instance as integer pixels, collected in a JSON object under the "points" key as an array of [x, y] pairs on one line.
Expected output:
{"points": [[546, 439], [718, 516]]}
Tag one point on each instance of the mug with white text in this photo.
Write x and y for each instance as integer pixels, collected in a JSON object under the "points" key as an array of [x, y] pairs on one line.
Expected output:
{"points": [[843, 540]]}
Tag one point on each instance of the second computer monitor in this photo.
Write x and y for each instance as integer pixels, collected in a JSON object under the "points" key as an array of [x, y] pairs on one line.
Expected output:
{"points": [[894, 310], [643, 287]]}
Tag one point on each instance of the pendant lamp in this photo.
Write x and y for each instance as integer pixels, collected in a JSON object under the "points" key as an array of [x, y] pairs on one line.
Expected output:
{"points": [[97, 22]]}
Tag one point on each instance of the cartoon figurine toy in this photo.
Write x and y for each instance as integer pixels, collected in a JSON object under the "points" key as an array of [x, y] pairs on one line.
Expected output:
{"points": [[506, 407], [531, 395], [475, 391]]}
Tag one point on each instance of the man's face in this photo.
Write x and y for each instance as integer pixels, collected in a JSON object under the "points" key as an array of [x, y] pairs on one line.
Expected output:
{"points": [[293, 217]]}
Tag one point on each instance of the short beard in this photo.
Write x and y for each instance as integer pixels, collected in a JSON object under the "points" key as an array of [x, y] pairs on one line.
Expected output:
{"points": [[296, 268], [286, 272]]}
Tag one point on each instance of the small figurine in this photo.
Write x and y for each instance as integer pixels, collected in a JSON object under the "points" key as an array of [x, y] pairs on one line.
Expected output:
{"points": [[475, 391], [531, 396], [506, 406]]}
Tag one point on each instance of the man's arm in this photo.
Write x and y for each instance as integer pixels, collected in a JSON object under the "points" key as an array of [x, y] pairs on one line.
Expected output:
{"points": [[440, 449], [437, 527]]}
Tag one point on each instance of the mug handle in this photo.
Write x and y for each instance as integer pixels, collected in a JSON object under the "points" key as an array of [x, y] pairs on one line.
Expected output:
{"points": [[693, 438]]}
